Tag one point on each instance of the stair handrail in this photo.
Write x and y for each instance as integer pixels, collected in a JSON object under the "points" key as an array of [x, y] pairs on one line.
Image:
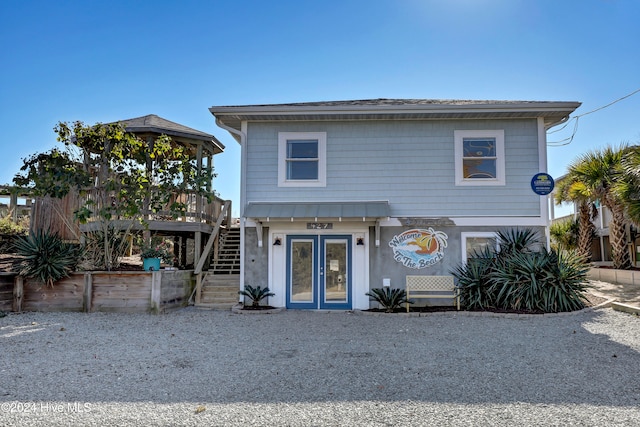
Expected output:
{"points": [[212, 237], [205, 253]]}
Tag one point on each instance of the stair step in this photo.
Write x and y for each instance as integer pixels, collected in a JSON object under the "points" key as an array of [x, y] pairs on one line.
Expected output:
{"points": [[218, 300], [215, 306]]}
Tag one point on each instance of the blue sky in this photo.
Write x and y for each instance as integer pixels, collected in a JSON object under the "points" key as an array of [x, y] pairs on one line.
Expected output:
{"points": [[102, 61]]}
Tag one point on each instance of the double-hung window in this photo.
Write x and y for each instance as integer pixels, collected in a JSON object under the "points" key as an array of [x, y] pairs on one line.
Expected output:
{"points": [[479, 157], [302, 159]]}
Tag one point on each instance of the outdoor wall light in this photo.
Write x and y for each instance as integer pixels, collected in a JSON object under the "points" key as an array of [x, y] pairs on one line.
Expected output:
{"points": [[359, 239], [277, 241]]}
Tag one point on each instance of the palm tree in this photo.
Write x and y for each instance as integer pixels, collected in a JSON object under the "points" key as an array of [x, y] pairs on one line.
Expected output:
{"points": [[570, 189], [564, 234], [601, 173], [629, 186]]}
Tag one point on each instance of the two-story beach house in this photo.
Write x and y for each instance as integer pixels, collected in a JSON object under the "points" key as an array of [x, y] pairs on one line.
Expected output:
{"points": [[341, 197]]}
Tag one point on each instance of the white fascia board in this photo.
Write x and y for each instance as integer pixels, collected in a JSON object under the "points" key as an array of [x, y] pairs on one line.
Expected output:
{"points": [[293, 109]]}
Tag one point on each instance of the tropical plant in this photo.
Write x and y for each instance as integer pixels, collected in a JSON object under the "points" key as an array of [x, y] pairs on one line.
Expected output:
{"points": [[119, 175], [601, 172], [46, 257], [540, 281], [389, 298], [522, 275], [473, 279], [564, 234], [570, 189], [629, 186], [256, 294]]}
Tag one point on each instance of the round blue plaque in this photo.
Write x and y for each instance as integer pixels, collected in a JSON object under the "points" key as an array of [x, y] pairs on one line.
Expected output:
{"points": [[542, 184]]}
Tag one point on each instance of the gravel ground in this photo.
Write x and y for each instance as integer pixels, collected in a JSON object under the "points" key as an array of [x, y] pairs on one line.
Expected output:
{"points": [[193, 367]]}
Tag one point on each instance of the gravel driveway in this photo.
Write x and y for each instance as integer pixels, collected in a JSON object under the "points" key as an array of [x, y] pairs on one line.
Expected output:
{"points": [[194, 367]]}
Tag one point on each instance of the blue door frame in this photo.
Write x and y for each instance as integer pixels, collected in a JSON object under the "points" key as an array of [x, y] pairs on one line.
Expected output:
{"points": [[317, 292]]}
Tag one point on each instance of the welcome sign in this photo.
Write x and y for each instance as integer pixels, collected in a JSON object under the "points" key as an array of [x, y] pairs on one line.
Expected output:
{"points": [[419, 248]]}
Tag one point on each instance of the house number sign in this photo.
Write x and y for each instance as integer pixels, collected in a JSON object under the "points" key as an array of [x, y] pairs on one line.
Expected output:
{"points": [[319, 225]]}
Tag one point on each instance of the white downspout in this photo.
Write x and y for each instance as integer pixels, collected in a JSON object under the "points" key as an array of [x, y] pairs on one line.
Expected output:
{"points": [[542, 167], [243, 157]]}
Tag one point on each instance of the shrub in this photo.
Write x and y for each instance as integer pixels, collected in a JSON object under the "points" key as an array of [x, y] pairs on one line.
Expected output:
{"points": [[7, 226], [10, 230], [523, 275], [256, 294], [45, 257], [389, 298]]}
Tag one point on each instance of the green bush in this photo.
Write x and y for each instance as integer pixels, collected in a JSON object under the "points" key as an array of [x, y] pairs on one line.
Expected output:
{"points": [[389, 298], [10, 230], [7, 226], [523, 275], [45, 257]]}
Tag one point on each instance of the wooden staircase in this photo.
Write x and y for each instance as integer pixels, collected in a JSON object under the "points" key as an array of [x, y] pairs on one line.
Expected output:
{"points": [[228, 260], [219, 292], [221, 283]]}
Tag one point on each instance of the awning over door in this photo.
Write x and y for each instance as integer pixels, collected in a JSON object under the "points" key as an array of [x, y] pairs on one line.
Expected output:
{"points": [[320, 210]]}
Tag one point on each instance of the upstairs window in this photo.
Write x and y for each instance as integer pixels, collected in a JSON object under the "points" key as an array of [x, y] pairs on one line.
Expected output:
{"points": [[479, 157], [302, 159]]}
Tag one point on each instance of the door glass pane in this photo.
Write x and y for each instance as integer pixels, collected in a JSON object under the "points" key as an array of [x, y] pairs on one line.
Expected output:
{"points": [[302, 271], [335, 271]]}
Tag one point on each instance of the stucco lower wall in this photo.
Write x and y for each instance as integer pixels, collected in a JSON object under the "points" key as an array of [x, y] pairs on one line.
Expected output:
{"points": [[371, 264], [256, 260]]}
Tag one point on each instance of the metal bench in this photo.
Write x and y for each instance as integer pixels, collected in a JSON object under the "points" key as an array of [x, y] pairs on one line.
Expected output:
{"points": [[429, 287]]}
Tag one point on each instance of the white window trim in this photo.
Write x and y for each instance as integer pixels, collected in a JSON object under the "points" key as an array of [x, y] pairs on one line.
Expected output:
{"points": [[321, 137], [466, 234], [459, 136]]}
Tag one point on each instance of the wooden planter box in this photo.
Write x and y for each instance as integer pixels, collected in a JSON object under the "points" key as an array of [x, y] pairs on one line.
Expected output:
{"points": [[127, 292]]}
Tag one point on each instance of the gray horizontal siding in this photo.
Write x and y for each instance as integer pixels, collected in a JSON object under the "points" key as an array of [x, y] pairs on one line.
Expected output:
{"points": [[408, 163]]}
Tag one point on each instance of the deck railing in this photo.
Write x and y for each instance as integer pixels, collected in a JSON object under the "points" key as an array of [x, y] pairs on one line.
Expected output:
{"points": [[194, 207]]}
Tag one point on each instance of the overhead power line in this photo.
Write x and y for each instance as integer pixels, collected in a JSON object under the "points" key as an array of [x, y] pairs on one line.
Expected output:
{"points": [[576, 119]]}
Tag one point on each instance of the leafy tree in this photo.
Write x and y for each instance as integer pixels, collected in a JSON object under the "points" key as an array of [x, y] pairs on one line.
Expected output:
{"points": [[118, 175], [601, 172]]}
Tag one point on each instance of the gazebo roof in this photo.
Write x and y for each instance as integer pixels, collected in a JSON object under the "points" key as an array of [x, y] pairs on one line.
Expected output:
{"points": [[153, 124]]}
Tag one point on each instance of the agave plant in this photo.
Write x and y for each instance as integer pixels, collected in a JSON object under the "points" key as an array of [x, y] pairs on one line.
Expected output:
{"points": [[389, 298], [256, 294], [46, 257], [523, 275], [474, 280]]}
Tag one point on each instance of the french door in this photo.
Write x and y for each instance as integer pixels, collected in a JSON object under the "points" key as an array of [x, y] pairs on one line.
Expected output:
{"points": [[319, 272]]}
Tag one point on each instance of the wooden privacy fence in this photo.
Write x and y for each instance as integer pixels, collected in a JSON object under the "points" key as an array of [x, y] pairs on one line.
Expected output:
{"points": [[126, 292]]}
